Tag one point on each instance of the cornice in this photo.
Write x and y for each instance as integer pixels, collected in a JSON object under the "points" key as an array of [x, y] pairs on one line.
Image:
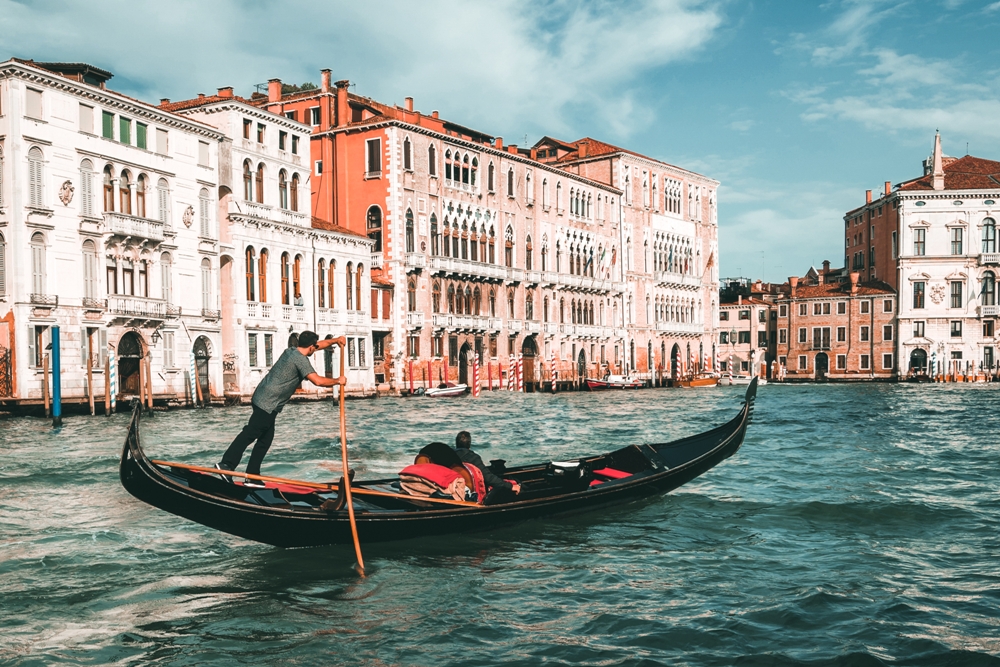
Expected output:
{"points": [[248, 221], [250, 110]]}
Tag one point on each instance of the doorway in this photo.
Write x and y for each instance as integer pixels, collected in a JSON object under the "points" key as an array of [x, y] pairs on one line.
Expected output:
{"points": [[202, 353], [529, 350], [822, 365], [130, 355], [918, 362]]}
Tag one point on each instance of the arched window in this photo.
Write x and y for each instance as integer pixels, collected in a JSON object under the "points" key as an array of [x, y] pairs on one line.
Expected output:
{"points": [[260, 183], [558, 256], [435, 239], [282, 189], [36, 177], [286, 297], [989, 292], [473, 244], [451, 299], [166, 279], [163, 201], [247, 181], [89, 270], [407, 156], [297, 280], [86, 187], [508, 253], [447, 165], [465, 240], [572, 311], [491, 178], [411, 295], [510, 304], [545, 309], [468, 301], [251, 262], [545, 193], [349, 286], [562, 311], [493, 302], [465, 170], [357, 286], [493, 246], [527, 252], [262, 276], [409, 231], [477, 301], [559, 203], [321, 283], [528, 194], [436, 298], [529, 306], [432, 160], [295, 193], [989, 235], [125, 193], [206, 284], [510, 182], [38, 273], [475, 168], [374, 226], [109, 189], [140, 196], [330, 273]]}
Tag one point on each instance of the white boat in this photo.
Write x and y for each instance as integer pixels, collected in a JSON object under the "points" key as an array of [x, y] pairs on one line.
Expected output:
{"points": [[728, 379], [450, 390]]}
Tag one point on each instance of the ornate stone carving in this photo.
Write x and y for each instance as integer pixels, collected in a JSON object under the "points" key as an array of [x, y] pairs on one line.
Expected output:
{"points": [[66, 193], [188, 216], [937, 294]]}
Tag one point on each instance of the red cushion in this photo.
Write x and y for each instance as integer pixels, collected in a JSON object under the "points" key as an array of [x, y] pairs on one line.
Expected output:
{"points": [[612, 473], [432, 472]]}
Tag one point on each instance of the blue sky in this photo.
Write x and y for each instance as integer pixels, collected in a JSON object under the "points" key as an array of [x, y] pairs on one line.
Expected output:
{"points": [[796, 107]]}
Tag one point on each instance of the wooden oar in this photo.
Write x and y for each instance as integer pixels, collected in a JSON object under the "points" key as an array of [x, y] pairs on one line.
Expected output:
{"points": [[342, 342], [319, 486]]}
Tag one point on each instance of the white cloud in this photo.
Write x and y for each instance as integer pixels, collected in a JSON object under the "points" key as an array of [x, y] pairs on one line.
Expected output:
{"points": [[510, 66], [742, 125]]}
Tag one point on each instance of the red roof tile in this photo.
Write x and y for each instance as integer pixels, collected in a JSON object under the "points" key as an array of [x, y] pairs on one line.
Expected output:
{"points": [[966, 173], [832, 290]]}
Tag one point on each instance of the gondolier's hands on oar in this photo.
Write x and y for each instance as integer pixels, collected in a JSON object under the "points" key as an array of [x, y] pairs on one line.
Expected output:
{"points": [[316, 378]]}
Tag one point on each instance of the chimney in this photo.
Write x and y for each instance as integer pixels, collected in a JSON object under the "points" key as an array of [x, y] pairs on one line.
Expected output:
{"points": [[888, 187], [343, 108], [435, 114], [938, 177], [854, 282], [226, 92], [201, 96], [739, 299], [534, 153], [820, 279], [324, 78], [498, 143], [164, 101], [793, 282], [826, 266], [512, 149], [408, 104], [868, 196], [274, 90], [582, 148]]}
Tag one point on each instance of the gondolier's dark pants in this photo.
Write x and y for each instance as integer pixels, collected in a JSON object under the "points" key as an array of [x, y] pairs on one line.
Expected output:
{"points": [[259, 428]]}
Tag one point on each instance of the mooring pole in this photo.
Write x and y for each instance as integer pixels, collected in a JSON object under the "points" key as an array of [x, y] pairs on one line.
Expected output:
{"points": [[45, 383], [107, 386], [56, 380], [90, 370]]}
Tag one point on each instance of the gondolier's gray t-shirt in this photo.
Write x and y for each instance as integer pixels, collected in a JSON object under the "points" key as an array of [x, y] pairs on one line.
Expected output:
{"points": [[281, 382]]}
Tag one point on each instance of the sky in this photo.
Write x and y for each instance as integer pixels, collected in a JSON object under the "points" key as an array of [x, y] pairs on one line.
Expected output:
{"points": [[795, 107]]}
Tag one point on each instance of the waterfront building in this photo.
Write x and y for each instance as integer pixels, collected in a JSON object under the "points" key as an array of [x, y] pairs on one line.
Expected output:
{"points": [[934, 240], [108, 228], [280, 273], [747, 333], [602, 258], [829, 330]]}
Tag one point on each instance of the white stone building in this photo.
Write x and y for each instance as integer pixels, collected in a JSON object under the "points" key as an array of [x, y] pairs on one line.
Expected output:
{"points": [[280, 274], [107, 229]]}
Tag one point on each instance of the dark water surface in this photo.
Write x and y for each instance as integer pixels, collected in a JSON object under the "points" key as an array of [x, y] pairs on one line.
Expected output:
{"points": [[859, 525]]}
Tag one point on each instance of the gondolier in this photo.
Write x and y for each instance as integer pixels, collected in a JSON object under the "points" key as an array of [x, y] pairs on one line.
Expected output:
{"points": [[287, 374]]}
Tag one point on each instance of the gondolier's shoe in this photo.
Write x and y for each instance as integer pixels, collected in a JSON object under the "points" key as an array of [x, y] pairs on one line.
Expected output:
{"points": [[224, 478], [254, 484]]}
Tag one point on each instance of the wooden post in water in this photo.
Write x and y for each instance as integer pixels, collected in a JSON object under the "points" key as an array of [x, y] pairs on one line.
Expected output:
{"points": [[45, 384], [107, 386], [142, 382], [90, 370], [149, 382], [197, 386]]}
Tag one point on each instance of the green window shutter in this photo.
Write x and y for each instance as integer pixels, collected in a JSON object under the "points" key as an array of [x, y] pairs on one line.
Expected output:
{"points": [[140, 135], [124, 130], [108, 120]]}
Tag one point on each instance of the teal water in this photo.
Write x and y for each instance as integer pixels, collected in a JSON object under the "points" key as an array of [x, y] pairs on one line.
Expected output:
{"points": [[858, 525]]}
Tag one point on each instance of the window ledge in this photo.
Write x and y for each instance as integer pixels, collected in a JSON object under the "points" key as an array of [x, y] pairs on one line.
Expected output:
{"points": [[369, 175]]}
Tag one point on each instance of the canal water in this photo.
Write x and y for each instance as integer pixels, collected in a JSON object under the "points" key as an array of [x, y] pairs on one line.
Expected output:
{"points": [[858, 525]]}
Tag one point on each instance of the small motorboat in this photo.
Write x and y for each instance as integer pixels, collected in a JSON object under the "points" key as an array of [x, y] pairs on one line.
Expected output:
{"points": [[699, 380], [613, 382], [728, 379], [447, 390]]}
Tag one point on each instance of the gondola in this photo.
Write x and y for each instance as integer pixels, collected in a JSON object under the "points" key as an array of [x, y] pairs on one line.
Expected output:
{"points": [[290, 514]]}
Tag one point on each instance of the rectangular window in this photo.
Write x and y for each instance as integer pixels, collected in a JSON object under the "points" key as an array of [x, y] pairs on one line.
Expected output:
{"points": [[744, 337], [319, 167], [841, 334], [887, 362], [956, 328], [352, 353], [247, 127], [361, 353], [202, 153], [38, 338], [453, 350], [821, 338], [437, 346], [865, 362], [268, 350], [413, 346], [107, 125], [783, 336], [314, 116], [918, 294], [956, 294], [34, 108], [803, 335], [168, 349], [887, 332], [919, 242], [988, 328], [744, 314], [723, 316], [864, 334], [162, 141], [887, 306], [817, 309], [803, 362], [260, 133], [374, 158], [783, 310], [723, 337], [782, 360], [140, 135], [124, 130], [895, 248], [292, 115], [295, 144], [841, 307], [918, 329], [86, 119], [252, 349], [282, 140], [803, 309], [762, 315], [865, 307], [988, 361], [761, 339], [956, 240], [841, 362]]}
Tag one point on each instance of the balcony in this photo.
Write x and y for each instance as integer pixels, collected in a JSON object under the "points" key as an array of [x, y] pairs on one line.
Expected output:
{"points": [[549, 278], [265, 311], [515, 275], [682, 280], [209, 314], [45, 300], [532, 277], [137, 308], [300, 314], [286, 313], [92, 304], [130, 226], [173, 311], [253, 209], [463, 268], [415, 320], [376, 260], [679, 328], [514, 325], [989, 311], [415, 260], [440, 321], [989, 258], [532, 326], [551, 328]]}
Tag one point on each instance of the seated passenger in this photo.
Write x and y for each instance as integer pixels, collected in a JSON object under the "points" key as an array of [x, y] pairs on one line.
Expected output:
{"points": [[463, 445]]}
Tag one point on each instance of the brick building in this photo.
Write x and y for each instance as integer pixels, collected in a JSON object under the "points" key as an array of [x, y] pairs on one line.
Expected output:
{"points": [[747, 335], [836, 330]]}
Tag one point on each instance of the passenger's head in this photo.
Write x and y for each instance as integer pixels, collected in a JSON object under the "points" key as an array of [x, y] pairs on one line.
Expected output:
{"points": [[308, 339], [463, 440]]}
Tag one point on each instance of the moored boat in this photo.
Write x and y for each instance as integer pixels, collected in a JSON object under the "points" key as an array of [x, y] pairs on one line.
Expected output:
{"points": [[292, 513], [699, 380], [613, 382], [449, 390]]}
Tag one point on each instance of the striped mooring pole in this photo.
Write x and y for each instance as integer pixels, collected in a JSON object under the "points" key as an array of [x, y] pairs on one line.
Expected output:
{"points": [[553, 371], [114, 380], [475, 376]]}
